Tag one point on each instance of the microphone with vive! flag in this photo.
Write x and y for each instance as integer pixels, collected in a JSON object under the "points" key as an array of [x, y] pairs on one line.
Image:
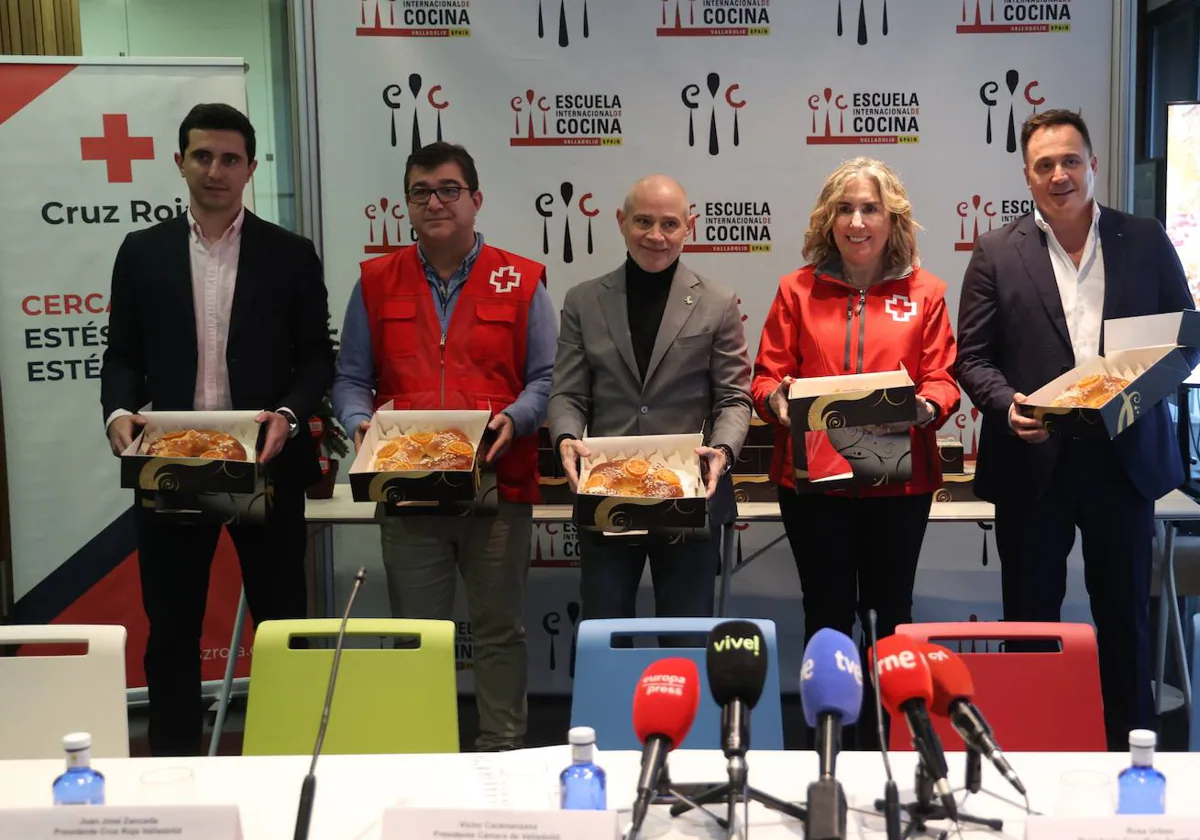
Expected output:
{"points": [[737, 661], [831, 691]]}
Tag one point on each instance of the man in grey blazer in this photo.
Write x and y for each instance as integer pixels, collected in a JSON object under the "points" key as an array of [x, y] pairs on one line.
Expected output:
{"points": [[652, 348]]}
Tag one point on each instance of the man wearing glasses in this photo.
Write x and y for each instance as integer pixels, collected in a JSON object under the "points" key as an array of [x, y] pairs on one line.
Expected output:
{"points": [[453, 323]]}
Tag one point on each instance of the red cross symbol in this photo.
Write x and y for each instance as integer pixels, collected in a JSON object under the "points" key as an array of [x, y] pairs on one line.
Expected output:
{"points": [[505, 279], [117, 149], [900, 308]]}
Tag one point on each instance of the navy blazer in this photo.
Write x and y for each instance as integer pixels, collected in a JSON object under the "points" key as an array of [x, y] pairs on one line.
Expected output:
{"points": [[1012, 337], [278, 351]]}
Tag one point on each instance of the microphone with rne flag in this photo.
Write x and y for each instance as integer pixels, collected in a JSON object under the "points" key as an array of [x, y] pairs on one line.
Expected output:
{"points": [[906, 688], [831, 690], [953, 689], [664, 707]]}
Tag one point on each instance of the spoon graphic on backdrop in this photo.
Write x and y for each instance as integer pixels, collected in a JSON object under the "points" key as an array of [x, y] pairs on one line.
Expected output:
{"points": [[393, 104], [1012, 78], [714, 84], [862, 23], [414, 85], [563, 37], [567, 190]]}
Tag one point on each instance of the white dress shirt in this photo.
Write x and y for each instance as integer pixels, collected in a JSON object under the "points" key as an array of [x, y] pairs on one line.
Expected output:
{"points": [[214, 275], [1081, 289]]}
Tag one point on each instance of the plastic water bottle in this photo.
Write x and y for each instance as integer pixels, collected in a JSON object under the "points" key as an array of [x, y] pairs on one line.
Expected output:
{"points": [[80, 785], [583, 783], [1140, 788]]}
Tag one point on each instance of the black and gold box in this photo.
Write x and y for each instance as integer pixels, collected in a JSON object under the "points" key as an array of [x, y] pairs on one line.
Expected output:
{"points": [[622, 514], [417, 486], [1144, 351], [950, 450]]}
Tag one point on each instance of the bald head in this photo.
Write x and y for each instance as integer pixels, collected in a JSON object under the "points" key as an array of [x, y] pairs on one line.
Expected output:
{"points": [[655, 222], [652, 187]]}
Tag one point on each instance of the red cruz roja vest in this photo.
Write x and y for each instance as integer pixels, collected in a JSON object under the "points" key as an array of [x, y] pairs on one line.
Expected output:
{"points": [[478, 364]]}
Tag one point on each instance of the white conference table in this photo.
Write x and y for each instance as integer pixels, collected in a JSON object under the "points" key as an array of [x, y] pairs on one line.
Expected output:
{"points": [[353, 791]]}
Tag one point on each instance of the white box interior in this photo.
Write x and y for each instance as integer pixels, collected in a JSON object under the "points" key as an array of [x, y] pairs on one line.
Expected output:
{"points": [[820, 386], [676, 452], [1127, 364], [240, 424], [389, 424], [1142, 331]]}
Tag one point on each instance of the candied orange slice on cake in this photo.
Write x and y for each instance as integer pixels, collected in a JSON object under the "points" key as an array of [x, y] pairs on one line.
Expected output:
{"points": [[460, 447], [388, 450], [666, 476], [422, 438], [637, 467]]}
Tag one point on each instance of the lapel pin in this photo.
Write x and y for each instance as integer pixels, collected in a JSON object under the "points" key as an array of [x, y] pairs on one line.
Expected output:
{"points": [[688, 300]]}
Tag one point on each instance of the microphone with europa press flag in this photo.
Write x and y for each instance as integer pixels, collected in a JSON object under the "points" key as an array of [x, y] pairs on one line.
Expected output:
{"points": [[831, 690], [906, 689], [953, 689], [736, 663], [664, 707], [308, 790]]}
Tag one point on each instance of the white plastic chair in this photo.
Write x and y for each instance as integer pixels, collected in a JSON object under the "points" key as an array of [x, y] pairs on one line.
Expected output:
{"points": [[42, 698]]}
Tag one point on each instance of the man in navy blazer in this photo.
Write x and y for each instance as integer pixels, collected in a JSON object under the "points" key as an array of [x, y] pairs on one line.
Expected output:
{"points": [[1034, 299]]}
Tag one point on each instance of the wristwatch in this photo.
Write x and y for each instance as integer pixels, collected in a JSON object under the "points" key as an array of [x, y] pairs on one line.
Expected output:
{"points": [[293, 423], [728, 456]]}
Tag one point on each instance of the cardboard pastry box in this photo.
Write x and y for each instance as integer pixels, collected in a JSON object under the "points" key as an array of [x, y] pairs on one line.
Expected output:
{"points": [[417, 486], [1144, 350], [832, 446], [622, 513]]}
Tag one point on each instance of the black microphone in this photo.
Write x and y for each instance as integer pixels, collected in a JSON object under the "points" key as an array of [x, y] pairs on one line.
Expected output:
{"points": [[736, 663], [309, 789], [891, 793]]}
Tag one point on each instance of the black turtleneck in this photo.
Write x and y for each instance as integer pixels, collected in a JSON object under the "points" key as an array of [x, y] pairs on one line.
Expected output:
{"points": [[646, 298]]}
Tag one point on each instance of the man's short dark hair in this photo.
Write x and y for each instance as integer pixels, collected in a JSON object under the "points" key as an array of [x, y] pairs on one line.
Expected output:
{"points": [[436, 154], [1051, 118], [217, 116]]}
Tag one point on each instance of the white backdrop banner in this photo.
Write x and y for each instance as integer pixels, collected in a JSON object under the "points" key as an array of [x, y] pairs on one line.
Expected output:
{"points": [[88, 158], [749, 103]]}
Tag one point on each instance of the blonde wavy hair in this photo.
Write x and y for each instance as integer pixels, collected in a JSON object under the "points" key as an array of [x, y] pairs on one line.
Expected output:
{"points": [[901, 249]]}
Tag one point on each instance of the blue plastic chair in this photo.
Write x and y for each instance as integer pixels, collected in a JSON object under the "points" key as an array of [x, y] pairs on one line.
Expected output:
{"points": [[605, 679], [1194, 718]]}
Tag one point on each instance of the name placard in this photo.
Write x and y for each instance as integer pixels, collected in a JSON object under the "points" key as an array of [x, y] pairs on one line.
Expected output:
{"points": [[178, 822], [454, 824], [1119, 827]]}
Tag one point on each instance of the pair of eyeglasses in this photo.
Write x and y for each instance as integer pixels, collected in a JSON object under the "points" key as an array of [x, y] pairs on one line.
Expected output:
{"points": [[446, 194]]}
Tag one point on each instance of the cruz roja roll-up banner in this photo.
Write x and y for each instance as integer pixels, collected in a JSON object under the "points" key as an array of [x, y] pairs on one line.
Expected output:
{"points": [[88, 157]]}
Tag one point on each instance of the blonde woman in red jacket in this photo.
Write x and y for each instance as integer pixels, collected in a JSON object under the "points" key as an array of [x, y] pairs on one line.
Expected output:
{"points": [[861, 305]]}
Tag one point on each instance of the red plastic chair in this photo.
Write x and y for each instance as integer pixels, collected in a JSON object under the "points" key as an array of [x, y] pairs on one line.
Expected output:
{"points": [[1039, 702]]}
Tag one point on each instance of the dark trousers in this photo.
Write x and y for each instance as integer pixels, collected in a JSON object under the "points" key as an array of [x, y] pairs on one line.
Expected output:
{"points": [[174, 562], [684, 575], [1089, 490], [855, 555]]}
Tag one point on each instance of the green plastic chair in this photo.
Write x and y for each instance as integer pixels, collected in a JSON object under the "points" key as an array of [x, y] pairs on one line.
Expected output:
{"points": [[387, 700]]}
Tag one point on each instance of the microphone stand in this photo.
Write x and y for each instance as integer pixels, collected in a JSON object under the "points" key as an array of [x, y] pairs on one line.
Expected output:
{"points": [[308, 790], [925, 809], [974, 782]]}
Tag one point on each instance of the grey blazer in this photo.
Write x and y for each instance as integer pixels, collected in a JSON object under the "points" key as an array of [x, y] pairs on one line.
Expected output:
{"points": [[698, 378]]}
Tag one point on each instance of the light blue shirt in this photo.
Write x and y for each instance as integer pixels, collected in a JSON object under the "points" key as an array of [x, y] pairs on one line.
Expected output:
{"points": [[356, 378]]}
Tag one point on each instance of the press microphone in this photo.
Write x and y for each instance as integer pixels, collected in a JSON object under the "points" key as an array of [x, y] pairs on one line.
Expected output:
{"points": [[891, 793], [736, 663], [952, 692], [831, 693], [906, 687], [664, 707], [309, 789]]}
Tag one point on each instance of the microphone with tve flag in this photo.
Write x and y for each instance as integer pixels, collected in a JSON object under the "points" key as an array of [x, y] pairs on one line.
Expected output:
{"points": [[309, 789], [953, 689], [664, 707], [831, 690], [906, 688]]}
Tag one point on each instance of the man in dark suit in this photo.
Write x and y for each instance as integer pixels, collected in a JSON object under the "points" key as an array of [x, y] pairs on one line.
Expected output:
{"points": [[1034, 299], [216, 310]]}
